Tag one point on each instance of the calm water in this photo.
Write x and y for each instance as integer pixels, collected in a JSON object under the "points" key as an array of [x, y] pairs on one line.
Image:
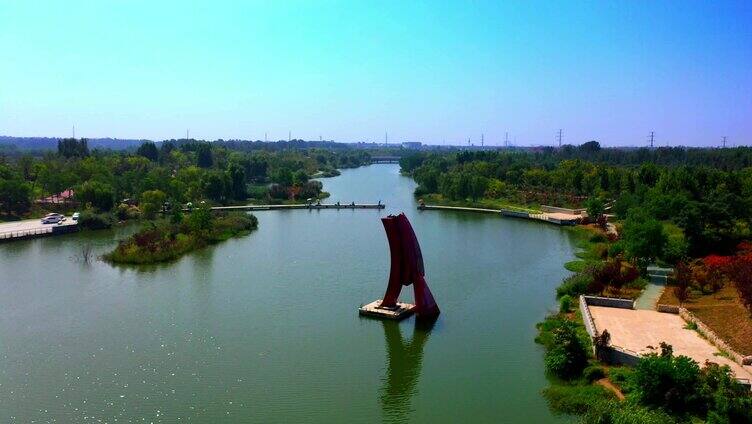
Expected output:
{"points": [[265, 328]]}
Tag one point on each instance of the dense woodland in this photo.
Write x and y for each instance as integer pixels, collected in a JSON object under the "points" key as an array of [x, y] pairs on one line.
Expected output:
{"points": [[175, 171], [706, 193]]}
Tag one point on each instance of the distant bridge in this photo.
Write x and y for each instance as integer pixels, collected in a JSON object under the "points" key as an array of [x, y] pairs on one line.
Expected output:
{"points": [[385, 159]]}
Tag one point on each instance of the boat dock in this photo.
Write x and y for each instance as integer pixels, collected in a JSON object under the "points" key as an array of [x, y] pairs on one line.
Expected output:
{"points": [[557, 218], [30, 228]]}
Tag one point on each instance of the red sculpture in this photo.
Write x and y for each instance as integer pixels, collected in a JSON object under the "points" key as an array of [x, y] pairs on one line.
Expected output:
{"points": [[407, 267]]}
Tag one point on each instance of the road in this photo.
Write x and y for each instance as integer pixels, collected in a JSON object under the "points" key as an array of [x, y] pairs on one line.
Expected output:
{"points": [[29, 227]]}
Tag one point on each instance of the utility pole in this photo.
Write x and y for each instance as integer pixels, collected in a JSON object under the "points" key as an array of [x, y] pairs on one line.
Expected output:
{"points": [[652, 138], [724, 141], [558, 137]]}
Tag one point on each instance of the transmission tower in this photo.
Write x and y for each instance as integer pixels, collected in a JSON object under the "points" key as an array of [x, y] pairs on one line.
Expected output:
{"points": [[724, 141], [558, 137], [652, 139]]}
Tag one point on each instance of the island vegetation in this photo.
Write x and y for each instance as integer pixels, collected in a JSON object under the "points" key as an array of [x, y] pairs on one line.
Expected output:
{"points": [[166, 241]]}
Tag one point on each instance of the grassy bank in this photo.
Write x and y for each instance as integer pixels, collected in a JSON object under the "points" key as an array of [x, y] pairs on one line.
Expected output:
{"points": [[167, 241]]}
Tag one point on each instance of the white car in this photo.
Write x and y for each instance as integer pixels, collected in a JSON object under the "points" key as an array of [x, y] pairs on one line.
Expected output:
{"points": [[75, 216], [52, 218]]}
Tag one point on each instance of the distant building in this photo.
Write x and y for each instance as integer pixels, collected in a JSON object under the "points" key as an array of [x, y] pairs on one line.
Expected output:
{"points": [[412, 144], [64, 197]]}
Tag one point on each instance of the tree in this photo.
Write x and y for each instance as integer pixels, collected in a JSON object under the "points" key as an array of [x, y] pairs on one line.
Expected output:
{"points": [[204, 155], [643, 237], [300, 177], [71, 147], [236, 174], [149, 151], [200, 219], [668, 381], [682, 277], [215, 186], [595, 208], [567, 357], [15, 196], [152, 202], [98, 194]]}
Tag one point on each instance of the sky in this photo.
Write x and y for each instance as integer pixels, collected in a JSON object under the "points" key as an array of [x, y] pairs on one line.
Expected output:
{"points": [[429, 71]]}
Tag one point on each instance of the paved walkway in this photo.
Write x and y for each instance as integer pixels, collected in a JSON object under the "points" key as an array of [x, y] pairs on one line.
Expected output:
{"points": [[643, 331]]}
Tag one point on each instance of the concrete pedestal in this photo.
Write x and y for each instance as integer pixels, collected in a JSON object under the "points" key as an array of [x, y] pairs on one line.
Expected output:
{"points": [[401, 310]]}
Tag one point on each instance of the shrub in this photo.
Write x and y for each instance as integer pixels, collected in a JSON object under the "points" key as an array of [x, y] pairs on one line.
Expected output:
{"points": [[568, 356], [612, 412], [667, 381], [574, 285], [593, 373], [565, 303], [574, 399], [94, 221]]}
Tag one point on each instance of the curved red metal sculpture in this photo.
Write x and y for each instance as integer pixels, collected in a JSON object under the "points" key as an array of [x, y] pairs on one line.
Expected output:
{"points": [[407, 267]]}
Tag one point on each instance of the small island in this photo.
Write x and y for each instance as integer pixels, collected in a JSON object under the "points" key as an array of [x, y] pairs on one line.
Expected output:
{"points": [[167, 241]]}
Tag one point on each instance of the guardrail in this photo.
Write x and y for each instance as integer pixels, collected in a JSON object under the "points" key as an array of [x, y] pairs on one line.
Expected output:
{"points": [[25, 233]]}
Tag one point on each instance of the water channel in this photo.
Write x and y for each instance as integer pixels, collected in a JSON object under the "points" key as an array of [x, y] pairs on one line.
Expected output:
{"points": [[264, 328]]}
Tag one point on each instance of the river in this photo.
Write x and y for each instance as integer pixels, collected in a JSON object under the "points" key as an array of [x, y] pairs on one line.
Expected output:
{"points": [[264, 328]]}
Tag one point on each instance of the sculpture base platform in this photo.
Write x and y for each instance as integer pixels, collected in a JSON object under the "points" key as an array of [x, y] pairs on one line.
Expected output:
{"points": [[402, 310]]}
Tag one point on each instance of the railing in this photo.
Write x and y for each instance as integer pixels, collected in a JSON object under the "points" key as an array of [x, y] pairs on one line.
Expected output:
{"points": [[23, 233]]}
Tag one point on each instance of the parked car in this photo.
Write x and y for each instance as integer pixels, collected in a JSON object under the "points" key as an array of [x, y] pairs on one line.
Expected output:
{"points": [[52, 218], [75, 216]]}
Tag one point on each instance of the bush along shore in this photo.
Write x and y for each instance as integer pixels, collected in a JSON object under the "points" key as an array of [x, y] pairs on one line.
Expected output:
{"points": [[662, 388], [167, 241]]}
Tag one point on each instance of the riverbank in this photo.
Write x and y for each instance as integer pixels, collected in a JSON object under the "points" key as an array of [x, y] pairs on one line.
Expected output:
{"points": [[165, 242]]}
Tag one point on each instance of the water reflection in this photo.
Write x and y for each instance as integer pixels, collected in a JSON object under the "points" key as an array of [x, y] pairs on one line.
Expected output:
{"points": [[404, 363]]}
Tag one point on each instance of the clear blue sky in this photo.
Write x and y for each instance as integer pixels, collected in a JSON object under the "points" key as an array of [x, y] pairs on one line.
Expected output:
{"points": [[348, 70]]}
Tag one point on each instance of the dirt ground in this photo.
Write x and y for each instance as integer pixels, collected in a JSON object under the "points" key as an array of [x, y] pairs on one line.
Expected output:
{"points": [[723, 313]]}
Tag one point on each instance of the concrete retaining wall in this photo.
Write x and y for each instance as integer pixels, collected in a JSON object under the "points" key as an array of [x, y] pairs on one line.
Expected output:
{"points": [[546, 208], [620, 356], [610, 302], [515, 214], [587, 318]]}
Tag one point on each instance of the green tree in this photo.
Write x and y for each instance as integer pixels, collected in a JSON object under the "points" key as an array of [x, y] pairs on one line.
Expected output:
{"points": [[595, 208], [200, 219], [152, 202], [15, 196], [149, 151], [643, 237], [204, 155], [98, 194], [215, 186], [568, 356], [71, 147], [236, 173]]}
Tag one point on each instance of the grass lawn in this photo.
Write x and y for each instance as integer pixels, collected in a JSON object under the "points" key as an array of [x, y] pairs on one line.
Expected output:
{"points": [[722, 312]]}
